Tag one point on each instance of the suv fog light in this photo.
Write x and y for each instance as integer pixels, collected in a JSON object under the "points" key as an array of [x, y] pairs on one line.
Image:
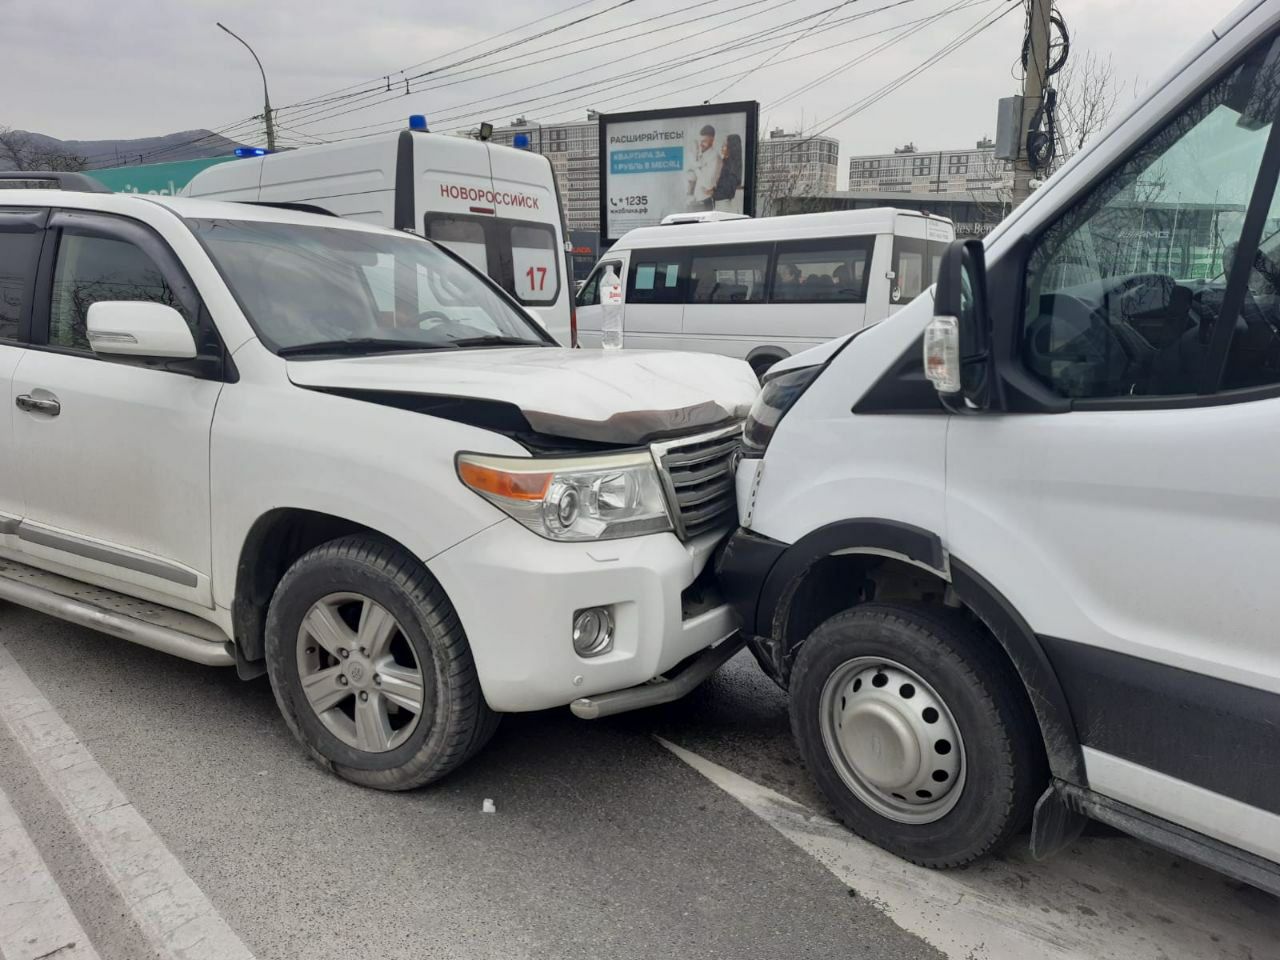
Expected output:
{"points": [[592, 631]]}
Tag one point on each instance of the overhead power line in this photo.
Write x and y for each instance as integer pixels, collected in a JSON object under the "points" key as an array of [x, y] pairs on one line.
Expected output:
{"points": [[592, 90]]}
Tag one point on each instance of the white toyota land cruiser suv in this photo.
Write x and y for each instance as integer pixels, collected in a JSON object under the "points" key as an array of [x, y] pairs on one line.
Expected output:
{"points": [[334, 452]]}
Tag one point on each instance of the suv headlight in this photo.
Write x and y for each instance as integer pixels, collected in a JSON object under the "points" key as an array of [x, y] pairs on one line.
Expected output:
{"points": [[576, 498], [775, 398]]}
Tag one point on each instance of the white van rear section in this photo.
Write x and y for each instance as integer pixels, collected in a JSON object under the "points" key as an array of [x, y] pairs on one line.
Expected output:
{"points": [[496, 207], [765, 289]]}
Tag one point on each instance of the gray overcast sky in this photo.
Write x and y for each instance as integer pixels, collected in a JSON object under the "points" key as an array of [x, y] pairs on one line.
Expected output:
{"points": [[130, 68]]}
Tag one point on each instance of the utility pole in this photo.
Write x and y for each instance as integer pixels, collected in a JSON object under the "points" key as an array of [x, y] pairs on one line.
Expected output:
{"points": [[1032, 92], [266, 99]]}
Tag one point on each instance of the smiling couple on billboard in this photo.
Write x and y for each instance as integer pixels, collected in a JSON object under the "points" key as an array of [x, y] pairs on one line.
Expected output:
{"points": [[716, 173]]}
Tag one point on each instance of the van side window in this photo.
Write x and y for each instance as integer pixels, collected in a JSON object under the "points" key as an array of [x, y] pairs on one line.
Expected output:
{"points": [[656, 277], [18, 253], [463, 237], [733, 276], [1126, 290], [832, 271], [92, 269], [535, 263]]}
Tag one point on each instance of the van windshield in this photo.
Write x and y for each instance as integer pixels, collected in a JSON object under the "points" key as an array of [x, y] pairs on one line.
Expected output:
{"points": [[316, 291]]}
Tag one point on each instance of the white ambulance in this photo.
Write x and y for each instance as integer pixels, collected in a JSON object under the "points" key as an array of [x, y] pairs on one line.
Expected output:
{"points": [[495, 206]]}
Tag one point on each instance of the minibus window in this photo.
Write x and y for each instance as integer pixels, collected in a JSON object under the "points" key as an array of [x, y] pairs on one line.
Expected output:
{"points": [[737, 277], [911, 268], [829, 271], [655, 278]]}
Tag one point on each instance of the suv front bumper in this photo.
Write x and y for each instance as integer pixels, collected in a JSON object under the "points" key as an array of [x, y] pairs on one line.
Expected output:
{"points": [[516, 595]]}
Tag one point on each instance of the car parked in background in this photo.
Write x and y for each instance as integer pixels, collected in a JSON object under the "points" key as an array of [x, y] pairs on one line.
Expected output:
{"points": [[496, 206], [764, 289]]}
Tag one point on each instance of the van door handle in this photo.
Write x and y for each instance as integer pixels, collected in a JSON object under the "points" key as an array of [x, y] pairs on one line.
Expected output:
{"points": [[50, 407]]}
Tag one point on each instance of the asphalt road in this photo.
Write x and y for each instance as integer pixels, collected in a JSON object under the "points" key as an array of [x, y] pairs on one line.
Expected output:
{"points": [[605, 843]]}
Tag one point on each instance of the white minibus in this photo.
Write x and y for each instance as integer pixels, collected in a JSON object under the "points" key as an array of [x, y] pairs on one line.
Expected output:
{"points": [[495, 206], [765, 289]]}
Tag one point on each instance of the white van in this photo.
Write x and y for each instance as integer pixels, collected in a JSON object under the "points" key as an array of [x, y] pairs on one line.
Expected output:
{"points": [[495, 206], [765, 289], [1047, 582]]}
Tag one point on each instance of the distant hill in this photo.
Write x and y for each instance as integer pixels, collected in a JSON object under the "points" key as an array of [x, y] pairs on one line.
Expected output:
{"points": [[184, 145]]}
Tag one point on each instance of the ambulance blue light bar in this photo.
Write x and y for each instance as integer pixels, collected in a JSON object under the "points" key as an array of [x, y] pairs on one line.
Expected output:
{"points": [[417, 122], [520, 141], [251, 151]]}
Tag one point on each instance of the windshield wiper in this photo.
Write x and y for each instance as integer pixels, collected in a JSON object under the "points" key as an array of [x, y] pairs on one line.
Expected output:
{"points": [[356, 345], [494, 340]]}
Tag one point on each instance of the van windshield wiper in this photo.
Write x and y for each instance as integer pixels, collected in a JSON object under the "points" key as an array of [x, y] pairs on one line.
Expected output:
{"points": [[494, 340], [356, 345]]}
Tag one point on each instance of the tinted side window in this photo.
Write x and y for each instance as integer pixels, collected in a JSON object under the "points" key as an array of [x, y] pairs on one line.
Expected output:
{"points": [[18, 254], [822, 271], [91, 269], [720, 275], [463, 237], [1125, 291], [656, 276]]}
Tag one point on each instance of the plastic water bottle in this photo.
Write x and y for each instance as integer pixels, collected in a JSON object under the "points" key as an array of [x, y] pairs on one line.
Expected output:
{"points": [[610, 310]]}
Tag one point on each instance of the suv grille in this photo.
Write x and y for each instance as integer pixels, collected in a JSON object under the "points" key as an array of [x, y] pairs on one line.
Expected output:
{"points": [[698, 473]]}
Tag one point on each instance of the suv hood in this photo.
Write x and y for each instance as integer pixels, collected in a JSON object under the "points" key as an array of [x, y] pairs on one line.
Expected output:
{"points": [[614, 397]]}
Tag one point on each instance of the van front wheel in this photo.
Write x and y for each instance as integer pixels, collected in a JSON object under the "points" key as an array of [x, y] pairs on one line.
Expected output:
{"points": [[370, 666], [917, 731]]}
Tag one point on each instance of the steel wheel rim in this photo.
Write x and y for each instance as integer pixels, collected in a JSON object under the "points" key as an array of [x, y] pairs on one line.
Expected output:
{"points": [[360, 675], [894, 743]]}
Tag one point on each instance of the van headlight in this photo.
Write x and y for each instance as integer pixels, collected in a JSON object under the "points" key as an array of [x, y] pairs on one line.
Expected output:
{"points": [[575, 498], [775, 398]]}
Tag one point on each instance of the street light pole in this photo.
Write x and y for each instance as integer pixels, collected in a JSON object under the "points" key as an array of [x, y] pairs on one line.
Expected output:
{"points": [[266, 99]]}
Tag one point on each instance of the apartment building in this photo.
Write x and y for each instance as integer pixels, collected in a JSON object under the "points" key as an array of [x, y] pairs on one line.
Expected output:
{"points": [[909, 170]]}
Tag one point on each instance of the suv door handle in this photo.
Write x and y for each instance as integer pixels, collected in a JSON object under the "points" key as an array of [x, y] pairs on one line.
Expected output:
{"points": [[50, 406]]}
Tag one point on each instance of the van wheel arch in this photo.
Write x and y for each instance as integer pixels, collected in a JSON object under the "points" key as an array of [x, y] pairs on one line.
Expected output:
{"points": [[838, 567], [276, 539]]}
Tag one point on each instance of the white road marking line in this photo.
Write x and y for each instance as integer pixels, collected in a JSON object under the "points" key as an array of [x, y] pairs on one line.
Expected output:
{"points": [[1103, 906], [172, 912], [35, 919]]}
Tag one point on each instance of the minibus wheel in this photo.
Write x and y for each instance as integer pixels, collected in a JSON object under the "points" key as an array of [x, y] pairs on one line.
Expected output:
{"points": [[918, 731], [370, 666]]}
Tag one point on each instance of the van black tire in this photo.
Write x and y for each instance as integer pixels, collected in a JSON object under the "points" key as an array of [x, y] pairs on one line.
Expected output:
{"points": [[455, 722], [1006, 768]]}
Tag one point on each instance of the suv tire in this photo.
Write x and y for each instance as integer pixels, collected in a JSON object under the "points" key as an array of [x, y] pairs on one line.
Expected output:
{"points": [[941, 760], [359, 581]]}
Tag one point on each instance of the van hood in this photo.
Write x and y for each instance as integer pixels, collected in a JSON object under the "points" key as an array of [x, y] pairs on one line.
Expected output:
{"points": [[612, 397]]}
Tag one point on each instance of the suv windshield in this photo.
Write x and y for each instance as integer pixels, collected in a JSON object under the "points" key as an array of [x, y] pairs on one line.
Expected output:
{"points": [[323, 290]]}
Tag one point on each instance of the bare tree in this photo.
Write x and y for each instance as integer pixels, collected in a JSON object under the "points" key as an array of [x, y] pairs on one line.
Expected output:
{"points": [[21, 151], [1088, 94]]}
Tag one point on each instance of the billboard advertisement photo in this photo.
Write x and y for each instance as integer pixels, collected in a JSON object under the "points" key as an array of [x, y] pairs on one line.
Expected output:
{"points": [[655, 163]]}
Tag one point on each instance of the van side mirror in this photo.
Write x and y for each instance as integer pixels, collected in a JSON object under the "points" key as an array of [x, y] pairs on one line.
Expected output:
{"points": [[957, 354], [139, 328]]}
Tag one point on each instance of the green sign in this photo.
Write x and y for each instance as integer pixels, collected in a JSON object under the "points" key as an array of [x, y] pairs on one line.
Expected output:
{"points": [[160, 179]]}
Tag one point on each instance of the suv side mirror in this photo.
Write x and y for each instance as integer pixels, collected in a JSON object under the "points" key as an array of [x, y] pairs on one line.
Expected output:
{"points": [[957, 356], [139, 328]]}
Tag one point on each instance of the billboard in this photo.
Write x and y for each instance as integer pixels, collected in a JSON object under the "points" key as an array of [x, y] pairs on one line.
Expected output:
{"points": [[162, 179], [654, 163]]}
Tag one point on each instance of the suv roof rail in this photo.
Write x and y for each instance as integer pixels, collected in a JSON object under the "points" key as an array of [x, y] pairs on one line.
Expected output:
{"points": [[62, 180]]}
